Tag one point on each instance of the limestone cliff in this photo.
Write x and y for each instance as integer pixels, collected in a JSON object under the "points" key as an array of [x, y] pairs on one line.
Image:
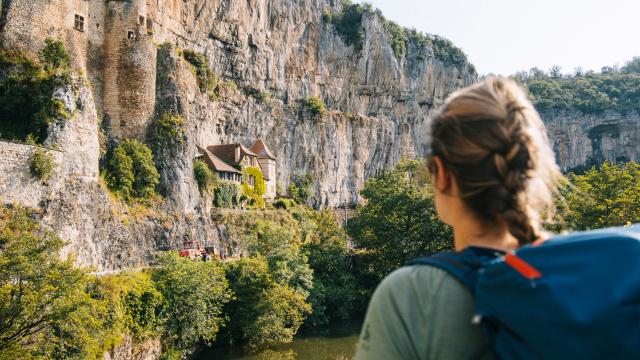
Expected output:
{"points": [[127, 53], [582, 140], [276, 53]]}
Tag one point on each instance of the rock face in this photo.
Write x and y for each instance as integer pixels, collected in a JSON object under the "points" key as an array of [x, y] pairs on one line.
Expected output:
{"points": [[582, 140], [274, 52], [269, 55], [275, 46]]}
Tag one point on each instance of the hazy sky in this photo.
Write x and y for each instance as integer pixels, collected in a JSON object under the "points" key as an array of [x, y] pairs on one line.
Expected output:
{"points": [[504, 36]]}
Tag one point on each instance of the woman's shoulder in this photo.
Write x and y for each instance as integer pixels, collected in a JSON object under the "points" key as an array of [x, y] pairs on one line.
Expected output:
{"points": [[418, 312], [425, 279]]}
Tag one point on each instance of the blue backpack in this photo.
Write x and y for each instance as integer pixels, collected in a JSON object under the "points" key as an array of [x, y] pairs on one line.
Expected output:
{"points": [[573, 296]]}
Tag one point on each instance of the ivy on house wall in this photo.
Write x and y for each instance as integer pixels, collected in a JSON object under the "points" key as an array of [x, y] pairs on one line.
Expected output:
{"points": [[254, 193], [226, 194]]}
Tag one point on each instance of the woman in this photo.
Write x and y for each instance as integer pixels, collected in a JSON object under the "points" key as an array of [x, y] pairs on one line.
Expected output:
{"points": [[493, 174]]}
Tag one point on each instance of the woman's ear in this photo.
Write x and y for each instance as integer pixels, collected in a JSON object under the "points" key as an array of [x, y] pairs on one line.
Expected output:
{"points": [[442, 178]]}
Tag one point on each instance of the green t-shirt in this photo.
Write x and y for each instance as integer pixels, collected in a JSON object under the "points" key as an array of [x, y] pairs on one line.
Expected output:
{"points": [[419, 312]]}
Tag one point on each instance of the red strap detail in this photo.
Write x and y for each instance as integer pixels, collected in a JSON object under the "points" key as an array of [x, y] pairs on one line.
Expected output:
{"points": [[522, 267]]}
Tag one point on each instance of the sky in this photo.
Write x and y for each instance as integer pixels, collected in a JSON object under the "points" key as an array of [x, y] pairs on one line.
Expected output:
{"points": [[505, 36]]}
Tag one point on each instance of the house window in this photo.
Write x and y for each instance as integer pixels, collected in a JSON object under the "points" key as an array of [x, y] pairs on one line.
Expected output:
{"points": [[141, 20], [78, 23], [149, 25], [131, 35]]}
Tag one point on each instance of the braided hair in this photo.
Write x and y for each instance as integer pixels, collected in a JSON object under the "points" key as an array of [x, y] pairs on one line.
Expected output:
{"points": [[493, 141]]}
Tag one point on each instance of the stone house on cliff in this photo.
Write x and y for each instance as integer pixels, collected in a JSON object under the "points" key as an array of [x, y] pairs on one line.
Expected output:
{"points": [[226, 160]]}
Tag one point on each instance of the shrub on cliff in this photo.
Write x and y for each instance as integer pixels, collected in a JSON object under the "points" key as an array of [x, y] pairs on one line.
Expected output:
{"points": [[42, 164], [167, 133], [261, 96], [205, 178], [54, 55], [26, 90], [283, 204], [207, 81], [348, 22], [195, 294], [45, 311], [132, 172], [314, 105]]}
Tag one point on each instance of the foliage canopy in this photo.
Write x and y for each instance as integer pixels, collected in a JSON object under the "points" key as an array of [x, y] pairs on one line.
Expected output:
{"points": [[398, 221], [132, 172], [602, 197], [589, 92]]}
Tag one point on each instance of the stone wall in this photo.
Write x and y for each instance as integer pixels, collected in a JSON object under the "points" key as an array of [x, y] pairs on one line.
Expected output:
{"points": [[17, 184]]}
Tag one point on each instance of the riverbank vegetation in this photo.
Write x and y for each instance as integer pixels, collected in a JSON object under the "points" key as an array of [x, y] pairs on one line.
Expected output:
{"points": [[299, 270]]}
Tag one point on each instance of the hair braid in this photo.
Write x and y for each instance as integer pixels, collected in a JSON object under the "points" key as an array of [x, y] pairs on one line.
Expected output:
{"points": [[493, 141]]}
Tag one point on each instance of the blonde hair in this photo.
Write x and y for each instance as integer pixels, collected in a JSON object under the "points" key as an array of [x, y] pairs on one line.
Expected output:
{"points": [[493, 141]]}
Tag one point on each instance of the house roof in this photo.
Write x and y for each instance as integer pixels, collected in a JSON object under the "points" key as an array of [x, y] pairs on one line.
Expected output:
{"points": [[247, 151], [227, 152], [260, 148], [215, 162]]}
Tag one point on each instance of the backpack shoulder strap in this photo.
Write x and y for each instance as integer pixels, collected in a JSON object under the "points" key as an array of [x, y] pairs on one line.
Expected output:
{"points": [[454, 264], [463, 265]]}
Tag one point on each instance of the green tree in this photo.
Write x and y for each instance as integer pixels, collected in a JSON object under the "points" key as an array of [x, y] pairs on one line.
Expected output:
{"points": [[604, 197], [397, 223], [195, 293], [120, 176], [278, 244], [54, 55], [632, 66], [589, 92], [281, 311], [300, 188], [335, 294], [263, 312], [132, 172], [44, 309]]}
